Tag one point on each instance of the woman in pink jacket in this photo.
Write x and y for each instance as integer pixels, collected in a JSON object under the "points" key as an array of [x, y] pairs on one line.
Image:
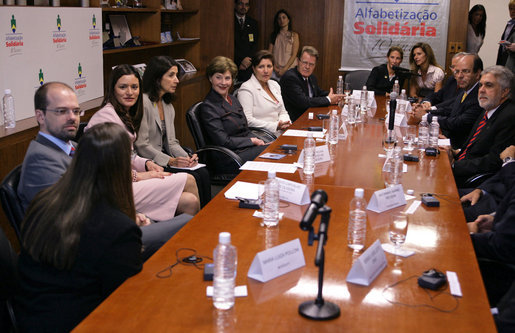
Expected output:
{"points": [[157, 194]]}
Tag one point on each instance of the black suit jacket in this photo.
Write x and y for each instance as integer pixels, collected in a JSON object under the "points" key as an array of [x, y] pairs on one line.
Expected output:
{"points": [[379, 80], [457, 124], [502, 52], [498, 185], [225, 124], [499, 244], [296, 96], [245, 44], [444, 98], [483, 155], [52, 300]]}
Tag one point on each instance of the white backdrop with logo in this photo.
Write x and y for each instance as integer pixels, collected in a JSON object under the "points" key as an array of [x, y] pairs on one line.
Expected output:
{"points": [[371, 27], [50, 44]]}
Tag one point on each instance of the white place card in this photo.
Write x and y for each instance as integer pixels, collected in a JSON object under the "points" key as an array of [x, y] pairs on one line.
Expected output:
{"points": [[277, 261], [368, 266], [293, 192], [444, 142], [356, 94], [321, 155], [342, 133], [303, 134], [386, 199]]}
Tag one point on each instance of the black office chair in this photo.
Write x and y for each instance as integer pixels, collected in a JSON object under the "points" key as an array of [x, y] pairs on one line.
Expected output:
{"points": [[8, 285], [80, 130], [476, 180], [210, 154], [10, 200], [357, 79]]}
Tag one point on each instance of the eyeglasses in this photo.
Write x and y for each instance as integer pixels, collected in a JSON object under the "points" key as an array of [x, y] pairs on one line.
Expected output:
{"points": [[62, 111], [307, 64], [244, 4], [465, 71]]}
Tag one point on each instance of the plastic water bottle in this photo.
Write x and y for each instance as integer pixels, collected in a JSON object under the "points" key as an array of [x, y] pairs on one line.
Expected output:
{"points": [[271, 209], [334, 126], [423, 133], [363, 105], [357, 230], [351, 112], [8, 109], [434, 132], [309, 155], [225, 260], [339, 90], [339, 85], [397, 163], [403, 96], [396, 88]]}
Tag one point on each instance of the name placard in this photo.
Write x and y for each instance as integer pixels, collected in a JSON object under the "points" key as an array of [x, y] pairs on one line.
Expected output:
{"points": [[293, 192], [368, 266], [321, 155], [279, 260], [386, 199]]}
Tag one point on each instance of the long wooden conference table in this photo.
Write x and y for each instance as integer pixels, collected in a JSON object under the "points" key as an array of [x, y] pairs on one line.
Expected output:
{"points": [[439, 236]]}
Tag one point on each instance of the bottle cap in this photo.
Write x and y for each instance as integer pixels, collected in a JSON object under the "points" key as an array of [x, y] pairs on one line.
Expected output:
{"points": [[434, 118], [335, 112], [224, 238], [359, 192], [271, 174], [410, 192], [396, 81], [340, 77], [7, 91], [364, 87]]}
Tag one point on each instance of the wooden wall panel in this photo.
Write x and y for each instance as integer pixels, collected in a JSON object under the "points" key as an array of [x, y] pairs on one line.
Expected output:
{"points": [[216, 29]]}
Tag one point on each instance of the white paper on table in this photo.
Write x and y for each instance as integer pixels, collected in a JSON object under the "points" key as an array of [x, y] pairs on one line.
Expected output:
{"points": [[243, 190], [269, 166], [304, 134], [239, 291], [402, 252], [444, 142], [198, 166]]}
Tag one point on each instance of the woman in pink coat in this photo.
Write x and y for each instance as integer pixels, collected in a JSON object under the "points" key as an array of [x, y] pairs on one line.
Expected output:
{"points": [[157, 194]]}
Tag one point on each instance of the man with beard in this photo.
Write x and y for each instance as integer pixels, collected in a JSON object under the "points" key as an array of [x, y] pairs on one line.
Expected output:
{"points": [[493, 131]]}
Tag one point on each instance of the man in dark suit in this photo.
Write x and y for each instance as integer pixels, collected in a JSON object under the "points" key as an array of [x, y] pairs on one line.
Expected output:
{"points": [[457, 122], [443, 99], [300, 89], [503, 52], [493, 131], [486, 197], [49, 155], [245, 39]]}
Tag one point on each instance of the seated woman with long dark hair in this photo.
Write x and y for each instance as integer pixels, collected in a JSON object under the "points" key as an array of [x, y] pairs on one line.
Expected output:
{"points": [[156, 136], [382, 78], [222, 116], [79, 237], [157, 194]]}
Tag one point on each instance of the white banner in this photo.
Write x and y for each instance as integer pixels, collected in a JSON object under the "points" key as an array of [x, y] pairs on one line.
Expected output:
{"points": [[371, 27], [50, 44]]}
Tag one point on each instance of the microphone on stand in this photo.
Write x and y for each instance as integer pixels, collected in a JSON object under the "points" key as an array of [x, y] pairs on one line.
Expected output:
{"points": [[318, 199], [404, 71], [393, 107]]}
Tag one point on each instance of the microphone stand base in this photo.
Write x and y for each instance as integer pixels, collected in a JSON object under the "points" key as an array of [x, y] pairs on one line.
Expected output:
{"points": [[325, 311]]}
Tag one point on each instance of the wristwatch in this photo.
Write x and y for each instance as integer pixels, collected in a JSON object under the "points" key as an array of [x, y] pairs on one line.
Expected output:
{"points": [[507, 159]]}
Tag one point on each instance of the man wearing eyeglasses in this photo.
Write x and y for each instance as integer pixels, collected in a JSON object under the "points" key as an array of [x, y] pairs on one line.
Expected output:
{"points": [[299, 87], [48, 156]]}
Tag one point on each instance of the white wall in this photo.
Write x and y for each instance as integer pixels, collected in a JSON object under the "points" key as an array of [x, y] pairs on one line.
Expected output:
{"points": [[497, 16]]}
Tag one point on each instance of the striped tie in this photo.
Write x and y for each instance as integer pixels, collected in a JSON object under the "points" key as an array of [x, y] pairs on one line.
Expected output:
{"points": [[72, 151], [474, 137]]}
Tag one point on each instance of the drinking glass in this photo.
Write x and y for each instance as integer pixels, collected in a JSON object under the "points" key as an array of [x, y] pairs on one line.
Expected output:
{"points": [[398, 229], [346, 89], [389, 142], [411, 136]]}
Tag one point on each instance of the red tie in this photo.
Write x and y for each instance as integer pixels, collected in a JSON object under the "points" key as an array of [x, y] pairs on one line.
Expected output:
{"points": [[474, 137], [72, 151]]}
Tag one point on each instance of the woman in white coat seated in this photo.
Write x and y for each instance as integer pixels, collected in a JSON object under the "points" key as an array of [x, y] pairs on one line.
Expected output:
{"points": [[261, 97]]}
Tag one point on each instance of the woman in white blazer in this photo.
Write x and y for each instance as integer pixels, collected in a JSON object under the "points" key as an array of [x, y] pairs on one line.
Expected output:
{"points": [[261, 97]]}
